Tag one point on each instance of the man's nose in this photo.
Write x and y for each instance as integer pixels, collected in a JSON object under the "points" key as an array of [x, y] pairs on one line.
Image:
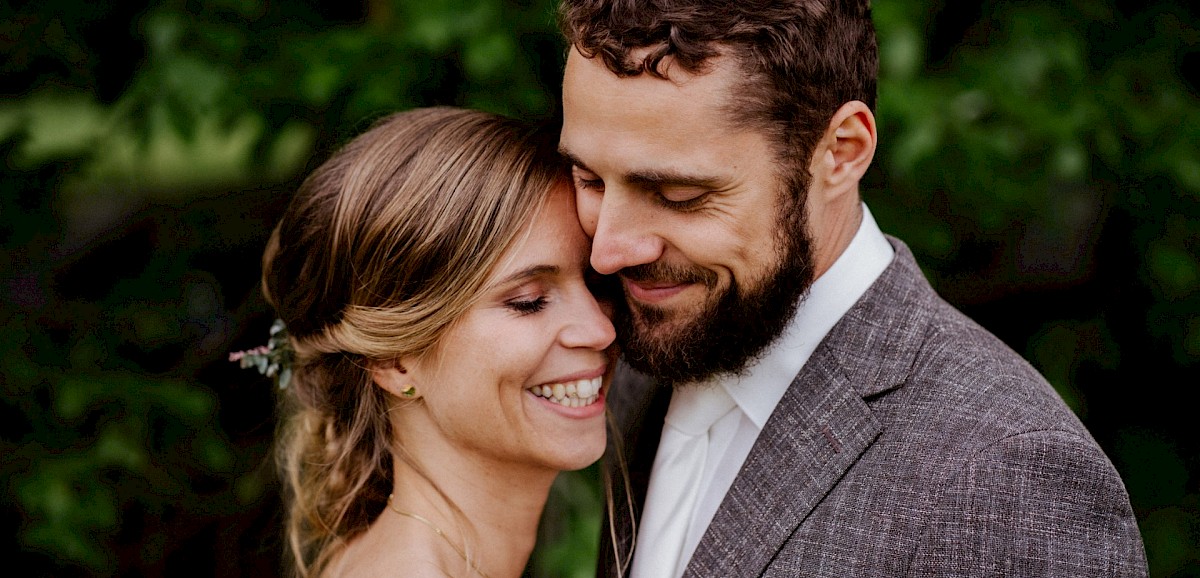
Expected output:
{"points": [[625, 234]]}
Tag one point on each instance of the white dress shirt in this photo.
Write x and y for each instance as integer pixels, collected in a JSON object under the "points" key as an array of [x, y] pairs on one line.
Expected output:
{"points": [[763, 384]]}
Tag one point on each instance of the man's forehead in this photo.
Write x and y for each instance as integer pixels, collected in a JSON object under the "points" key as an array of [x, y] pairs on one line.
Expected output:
{"points": [[638, 118], [589, 84]]}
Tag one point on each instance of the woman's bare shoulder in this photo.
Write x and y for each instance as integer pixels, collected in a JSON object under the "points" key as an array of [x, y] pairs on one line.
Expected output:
{"points": [[371, 556]]}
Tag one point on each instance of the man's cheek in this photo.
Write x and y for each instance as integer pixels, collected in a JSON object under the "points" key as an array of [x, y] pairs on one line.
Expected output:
{"points": [[588, 207]]}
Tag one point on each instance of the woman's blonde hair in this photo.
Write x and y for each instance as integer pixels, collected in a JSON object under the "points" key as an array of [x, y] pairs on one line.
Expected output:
{"points": [[384, 246]]}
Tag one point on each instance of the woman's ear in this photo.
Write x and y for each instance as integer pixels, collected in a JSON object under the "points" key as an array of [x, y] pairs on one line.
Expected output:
{"points": [[394, 379]]}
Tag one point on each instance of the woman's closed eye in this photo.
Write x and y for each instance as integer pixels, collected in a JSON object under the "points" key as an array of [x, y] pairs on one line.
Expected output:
{"points": [[527, 305]]}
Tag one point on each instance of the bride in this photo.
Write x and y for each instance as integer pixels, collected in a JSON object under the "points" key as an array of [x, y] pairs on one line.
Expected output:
{"points": [[448, 354]]}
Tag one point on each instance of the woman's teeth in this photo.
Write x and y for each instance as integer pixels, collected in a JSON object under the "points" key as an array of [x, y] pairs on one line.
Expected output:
{"points": [[572, 393]]}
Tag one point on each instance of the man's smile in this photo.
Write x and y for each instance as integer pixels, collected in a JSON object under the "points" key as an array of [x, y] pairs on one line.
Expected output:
{"points": [[653, 291]]}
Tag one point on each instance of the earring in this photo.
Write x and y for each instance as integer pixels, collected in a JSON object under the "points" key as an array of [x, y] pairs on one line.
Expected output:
{"points": [[408, 391]]}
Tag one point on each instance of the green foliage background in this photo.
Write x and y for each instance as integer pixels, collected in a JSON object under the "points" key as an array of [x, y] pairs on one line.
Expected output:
{"points": [[1041, 157]]}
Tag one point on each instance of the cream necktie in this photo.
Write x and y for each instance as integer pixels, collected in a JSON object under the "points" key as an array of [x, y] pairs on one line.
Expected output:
{"points": [[675, 480]]}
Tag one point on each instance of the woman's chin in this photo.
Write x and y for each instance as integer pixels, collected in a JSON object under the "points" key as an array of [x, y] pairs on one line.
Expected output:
{"points": [[585, 457]]}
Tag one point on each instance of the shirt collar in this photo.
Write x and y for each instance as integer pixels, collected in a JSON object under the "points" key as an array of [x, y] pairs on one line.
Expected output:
{"points": [[762, 385]]}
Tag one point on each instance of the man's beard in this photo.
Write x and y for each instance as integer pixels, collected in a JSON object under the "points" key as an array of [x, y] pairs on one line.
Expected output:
{"points": [[731, 331]]}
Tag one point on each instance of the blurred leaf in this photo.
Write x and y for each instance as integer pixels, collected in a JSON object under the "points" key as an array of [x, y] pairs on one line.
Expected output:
{"points": [[1174, 270], [1155, 474], [117, 447], [569, 533], [490, 55], [1171, 535], [73, 514]]}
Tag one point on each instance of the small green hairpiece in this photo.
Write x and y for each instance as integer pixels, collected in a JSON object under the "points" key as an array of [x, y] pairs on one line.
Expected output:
{"points": [[273, 359]]}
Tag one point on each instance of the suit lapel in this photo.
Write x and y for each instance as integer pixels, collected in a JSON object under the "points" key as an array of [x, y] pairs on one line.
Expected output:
{"points": [[819, 431], [821, 425]]}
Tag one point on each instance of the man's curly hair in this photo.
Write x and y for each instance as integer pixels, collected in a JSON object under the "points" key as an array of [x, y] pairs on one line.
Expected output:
{"points": [[801, 59]]}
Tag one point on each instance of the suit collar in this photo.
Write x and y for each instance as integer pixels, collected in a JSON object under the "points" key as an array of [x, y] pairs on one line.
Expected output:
{"points": [[879, 338], [759, 386], [821, 425]]}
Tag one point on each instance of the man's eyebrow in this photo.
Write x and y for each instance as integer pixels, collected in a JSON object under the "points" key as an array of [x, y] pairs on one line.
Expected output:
{"points": [[653, 178]]}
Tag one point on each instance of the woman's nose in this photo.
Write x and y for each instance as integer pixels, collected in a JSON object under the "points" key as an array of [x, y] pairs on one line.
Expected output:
{"points": [[589, 326]]}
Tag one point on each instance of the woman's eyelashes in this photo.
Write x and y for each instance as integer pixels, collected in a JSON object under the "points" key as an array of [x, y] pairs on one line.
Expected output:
{"points": [[526, 305]]}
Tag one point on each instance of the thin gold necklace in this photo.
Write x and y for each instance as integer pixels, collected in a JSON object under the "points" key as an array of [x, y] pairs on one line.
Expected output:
{"points": [[439, 532]]}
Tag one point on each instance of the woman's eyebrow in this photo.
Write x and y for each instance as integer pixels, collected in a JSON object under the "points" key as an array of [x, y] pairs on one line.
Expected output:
{"points": [[534, 271]]}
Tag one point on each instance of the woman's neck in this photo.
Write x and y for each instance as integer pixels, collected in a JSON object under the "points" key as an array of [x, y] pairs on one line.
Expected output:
{"points": [[499, 506]]}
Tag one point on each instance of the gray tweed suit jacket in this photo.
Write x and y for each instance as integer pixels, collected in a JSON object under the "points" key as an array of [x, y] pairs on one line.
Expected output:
{"points": [[913, 443]]}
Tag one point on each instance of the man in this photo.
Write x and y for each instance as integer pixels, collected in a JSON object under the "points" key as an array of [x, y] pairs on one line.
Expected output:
{"points": [[804, 403]]}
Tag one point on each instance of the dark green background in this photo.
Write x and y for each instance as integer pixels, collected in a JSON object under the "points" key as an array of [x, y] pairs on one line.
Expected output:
{"points": [[1042, 159]]}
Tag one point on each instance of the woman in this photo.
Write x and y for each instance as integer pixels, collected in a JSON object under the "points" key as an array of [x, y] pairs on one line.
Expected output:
{"points": [[448, 354]]}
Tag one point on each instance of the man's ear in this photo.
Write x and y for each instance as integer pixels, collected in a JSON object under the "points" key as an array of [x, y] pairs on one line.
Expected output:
{"points": [[846, 149], [394, 379]]}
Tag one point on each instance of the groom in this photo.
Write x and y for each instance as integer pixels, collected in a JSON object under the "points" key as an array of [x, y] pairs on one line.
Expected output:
{"points": [[803, 402]]}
